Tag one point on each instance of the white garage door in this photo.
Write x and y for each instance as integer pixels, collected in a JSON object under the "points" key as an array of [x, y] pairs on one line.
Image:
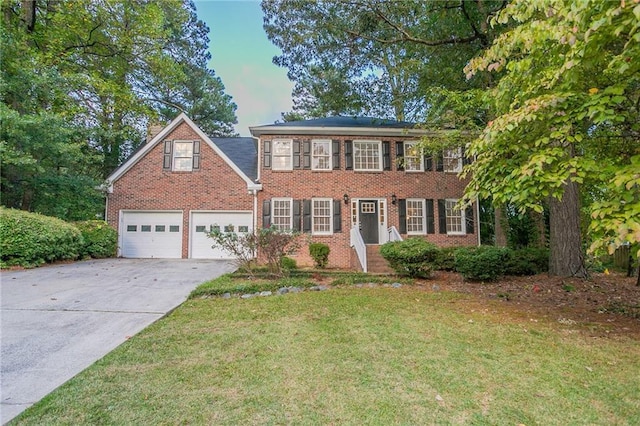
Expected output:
{"points": [[151, 234], [204, 222]]}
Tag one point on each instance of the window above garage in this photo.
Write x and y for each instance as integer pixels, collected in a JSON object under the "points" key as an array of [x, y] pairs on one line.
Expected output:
{"points": [[181, 155]]}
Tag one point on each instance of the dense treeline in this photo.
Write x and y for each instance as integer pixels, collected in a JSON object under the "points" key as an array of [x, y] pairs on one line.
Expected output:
{"points": [[80, 83]]}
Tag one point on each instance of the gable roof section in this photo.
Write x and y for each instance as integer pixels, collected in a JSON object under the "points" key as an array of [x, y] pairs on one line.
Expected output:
{"points": [[243, 153], [341, 125], [120, 171]]}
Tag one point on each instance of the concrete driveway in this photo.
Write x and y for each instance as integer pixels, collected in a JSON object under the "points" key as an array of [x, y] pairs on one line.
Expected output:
{"points": [[58, 320]]}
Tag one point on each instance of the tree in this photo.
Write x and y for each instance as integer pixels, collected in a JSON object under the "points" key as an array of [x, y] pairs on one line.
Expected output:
{"points": [[567, 122], [372, 57]]}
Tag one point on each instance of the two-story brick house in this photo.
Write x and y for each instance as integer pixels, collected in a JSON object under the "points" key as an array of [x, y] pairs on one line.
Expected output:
{"points": [[351, 183]]}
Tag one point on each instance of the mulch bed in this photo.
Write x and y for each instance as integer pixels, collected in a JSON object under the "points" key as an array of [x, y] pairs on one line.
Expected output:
{"points": [[605, 304]]}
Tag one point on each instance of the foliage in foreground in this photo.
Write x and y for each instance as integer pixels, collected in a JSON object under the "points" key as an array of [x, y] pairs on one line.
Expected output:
{"points": [[30, 239], [352, 356], [414, 257], [100, 239]]}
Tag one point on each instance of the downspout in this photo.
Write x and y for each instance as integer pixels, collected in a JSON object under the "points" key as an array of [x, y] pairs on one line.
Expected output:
{"points": [[478, 220]]}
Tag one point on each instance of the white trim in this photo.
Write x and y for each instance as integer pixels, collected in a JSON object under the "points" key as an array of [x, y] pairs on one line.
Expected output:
{"points": [[190, 240], [336, 130], [330, 155], [424, 216], [462, 217], [122, 231], [273, 154], [120, 171], [454, 154], [382, 227], [273, 206], [421, 157]]}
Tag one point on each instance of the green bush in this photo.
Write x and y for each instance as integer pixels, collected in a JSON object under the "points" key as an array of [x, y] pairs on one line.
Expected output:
{"points": [[484, 263], [527, 261], [414, 257], [320, 254], [446, 261], [100, 240], [288, 264], [30, 239]]}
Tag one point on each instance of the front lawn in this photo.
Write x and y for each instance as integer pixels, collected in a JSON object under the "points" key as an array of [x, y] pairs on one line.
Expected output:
{"points": [[353, 355]]}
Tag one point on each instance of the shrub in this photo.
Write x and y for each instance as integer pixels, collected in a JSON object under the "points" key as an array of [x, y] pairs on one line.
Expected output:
{"points": [[446, 261], [484, 263], [414, 257], [30, 239], [288, 264], [320, 254], [527, 261], [100, 240]]}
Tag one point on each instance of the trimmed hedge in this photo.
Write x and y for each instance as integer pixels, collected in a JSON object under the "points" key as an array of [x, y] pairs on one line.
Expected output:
{"points": [[320, 254], [31, 239], [484, 263], [100, 240], [414, 257]]}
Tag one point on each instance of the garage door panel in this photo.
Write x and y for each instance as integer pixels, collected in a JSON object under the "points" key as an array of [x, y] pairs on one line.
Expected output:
{"points": [[152, 235], [204, 222]]}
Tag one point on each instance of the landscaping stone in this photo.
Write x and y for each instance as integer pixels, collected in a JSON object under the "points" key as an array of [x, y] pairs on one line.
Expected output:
{"points": [[318, 288], [283, 290], [226, 296], [396, 285], [295, 289], [246, 296], [265, 293]]}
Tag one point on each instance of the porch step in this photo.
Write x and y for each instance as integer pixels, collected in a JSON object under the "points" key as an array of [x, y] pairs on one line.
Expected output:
{"points": [[376, 264]]}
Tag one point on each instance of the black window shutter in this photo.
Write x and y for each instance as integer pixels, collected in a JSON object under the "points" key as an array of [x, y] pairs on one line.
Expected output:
{"points": [[297, 206], [306, 154], [386, 156], [442, 217], [440, 163], [348, 155], [296, 154], [428, 163], [335, 148], [266, 160], [168, 147], [399, 156], [468, 217], [402, 215], [266, 214], [431, 226], [196, 155], [337, 216], [306, 216]]}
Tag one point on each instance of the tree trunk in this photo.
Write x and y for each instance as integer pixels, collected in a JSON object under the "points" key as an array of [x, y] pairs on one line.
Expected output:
{"points": [[501, 226], [541, 228], [566, 257]]}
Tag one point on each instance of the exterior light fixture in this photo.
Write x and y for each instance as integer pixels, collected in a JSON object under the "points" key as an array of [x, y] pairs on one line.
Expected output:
{"points": [[394, 199], [345, 197]]}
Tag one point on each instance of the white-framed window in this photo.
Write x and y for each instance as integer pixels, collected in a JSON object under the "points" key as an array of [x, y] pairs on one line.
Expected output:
{"points": [[455, 218], [452, 160], [367, 155], [282, 156], [321, 154], [281, 216], [413, 158], [416, 218], [183, 156], [322, 215]]}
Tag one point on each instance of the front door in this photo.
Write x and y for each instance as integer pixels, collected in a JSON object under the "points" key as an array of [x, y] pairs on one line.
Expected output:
{"points": [[369, 221]]}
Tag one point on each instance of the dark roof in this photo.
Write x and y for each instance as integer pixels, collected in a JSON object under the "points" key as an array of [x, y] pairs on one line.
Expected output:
{"points": [[344, 121], [242, 151]]}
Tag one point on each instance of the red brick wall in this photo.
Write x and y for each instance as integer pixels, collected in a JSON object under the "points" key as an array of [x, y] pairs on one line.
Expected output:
{"points": [[305, 184], [146, 186]]}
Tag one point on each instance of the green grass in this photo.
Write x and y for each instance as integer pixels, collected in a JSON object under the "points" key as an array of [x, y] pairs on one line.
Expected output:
{"points": [[352, 356]]}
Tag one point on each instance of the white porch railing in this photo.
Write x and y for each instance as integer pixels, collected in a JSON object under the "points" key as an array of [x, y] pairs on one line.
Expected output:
{"points": [[358, 244], [394, 235]]}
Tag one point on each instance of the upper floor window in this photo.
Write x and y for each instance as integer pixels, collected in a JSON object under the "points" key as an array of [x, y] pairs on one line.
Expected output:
{"points": [[281, 216], [321, 154], [181, 156], [416, 216], [455, 217], [322, 215], [282, 154], [452, 160], [413, 158], [367, 155]]}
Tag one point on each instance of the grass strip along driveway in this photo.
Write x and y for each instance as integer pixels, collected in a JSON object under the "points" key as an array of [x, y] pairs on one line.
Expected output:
{"points": [[352, 355]]}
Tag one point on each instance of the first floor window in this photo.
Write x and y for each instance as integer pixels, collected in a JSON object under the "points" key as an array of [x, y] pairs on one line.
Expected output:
{"points": [[321, 154], [452, 160], [281, 215], [282, 154], [322, 215], [455, 217], [415, 216]]}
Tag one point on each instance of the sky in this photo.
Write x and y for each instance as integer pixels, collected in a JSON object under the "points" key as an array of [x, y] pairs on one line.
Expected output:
{"points": [[242, 57]]}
